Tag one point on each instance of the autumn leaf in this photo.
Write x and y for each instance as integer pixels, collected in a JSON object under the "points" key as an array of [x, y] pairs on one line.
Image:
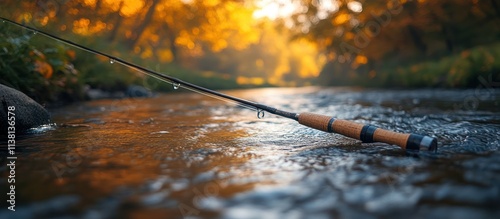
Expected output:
{"points": [[44, 68], [71, 54]]}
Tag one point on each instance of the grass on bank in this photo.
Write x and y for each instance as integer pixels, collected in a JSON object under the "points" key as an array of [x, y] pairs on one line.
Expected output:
{"points": [[454, 71], [461, 70]]}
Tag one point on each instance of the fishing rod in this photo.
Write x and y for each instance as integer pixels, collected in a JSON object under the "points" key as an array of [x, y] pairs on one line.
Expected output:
{"points": [[365, 133]]}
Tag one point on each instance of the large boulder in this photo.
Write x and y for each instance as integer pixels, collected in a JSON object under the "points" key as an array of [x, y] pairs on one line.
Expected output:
{"points": [[28, 113]]}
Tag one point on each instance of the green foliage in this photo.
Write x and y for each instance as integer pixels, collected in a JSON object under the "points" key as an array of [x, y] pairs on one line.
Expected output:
{"points": [[454, 71], [38, 67], [49, 71]]}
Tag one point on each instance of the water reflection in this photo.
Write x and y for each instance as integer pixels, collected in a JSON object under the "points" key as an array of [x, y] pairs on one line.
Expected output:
{"points": [[181, 155]]}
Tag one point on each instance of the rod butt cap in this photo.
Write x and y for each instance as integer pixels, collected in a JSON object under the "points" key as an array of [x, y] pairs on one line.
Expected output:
{"points": [[421, 143]]}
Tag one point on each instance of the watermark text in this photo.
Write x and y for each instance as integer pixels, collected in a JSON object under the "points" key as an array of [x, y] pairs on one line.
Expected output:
{"points": [[11, 157]]}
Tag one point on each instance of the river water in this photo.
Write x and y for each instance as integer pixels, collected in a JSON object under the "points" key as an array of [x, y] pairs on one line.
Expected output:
{"points": [[184, 155]]}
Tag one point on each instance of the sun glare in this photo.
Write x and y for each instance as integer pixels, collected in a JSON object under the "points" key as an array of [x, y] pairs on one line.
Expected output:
{"points": [[355, 6], [325, 7], [274, 9]]}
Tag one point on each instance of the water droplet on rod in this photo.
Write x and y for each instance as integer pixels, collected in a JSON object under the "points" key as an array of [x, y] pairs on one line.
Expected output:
{"points": [[176, 85], [111, 61], [34, 32], [260, 114]]}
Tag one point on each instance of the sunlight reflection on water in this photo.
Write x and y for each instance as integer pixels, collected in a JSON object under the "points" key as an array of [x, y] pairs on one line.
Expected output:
{"points": [[179, 155]]}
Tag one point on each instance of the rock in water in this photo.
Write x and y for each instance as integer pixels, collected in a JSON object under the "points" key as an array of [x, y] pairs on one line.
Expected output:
{"points": [[138, 91], [28, 113]]}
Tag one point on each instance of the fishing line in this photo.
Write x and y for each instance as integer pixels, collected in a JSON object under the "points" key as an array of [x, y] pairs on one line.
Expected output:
{"points": [[176, 83]]}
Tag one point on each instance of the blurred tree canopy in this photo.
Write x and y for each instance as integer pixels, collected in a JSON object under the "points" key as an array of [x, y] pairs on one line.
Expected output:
{"points": [[214, 36], [292, 42], [362, 38]]}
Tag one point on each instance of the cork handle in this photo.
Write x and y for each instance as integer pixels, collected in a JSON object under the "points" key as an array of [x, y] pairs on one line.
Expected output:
{"points": [[367, 133]]}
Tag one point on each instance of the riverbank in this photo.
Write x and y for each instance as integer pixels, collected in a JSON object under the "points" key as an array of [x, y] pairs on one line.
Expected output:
{"points": [[50, 72], [465, 69]]}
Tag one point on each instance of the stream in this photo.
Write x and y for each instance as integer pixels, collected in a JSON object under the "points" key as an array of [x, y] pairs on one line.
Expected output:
{"points": [[185, 155]]}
